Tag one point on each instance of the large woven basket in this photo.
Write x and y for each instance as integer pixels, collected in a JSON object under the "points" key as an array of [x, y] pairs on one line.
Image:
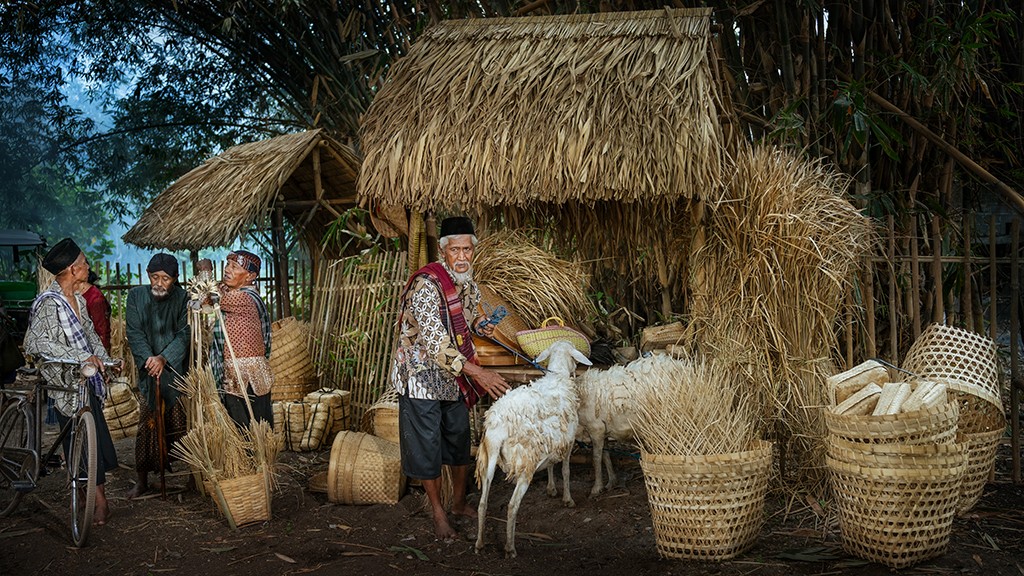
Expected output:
{"points": [[982, 431], [934, 425], [553, 329], [292, 390], [243, 500], [121, 410], [511, 324], [707, 507], [963, 360], [340, 402], [290, 360], [364, 469], [896, 503]]}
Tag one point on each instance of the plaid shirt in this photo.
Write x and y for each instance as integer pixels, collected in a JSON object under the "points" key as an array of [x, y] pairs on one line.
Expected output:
{"points": [[56, 332]]}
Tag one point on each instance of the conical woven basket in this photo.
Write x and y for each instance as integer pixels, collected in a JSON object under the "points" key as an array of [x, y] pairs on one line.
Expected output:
{"points": [[290, 360], [707, 507], [934, 425], [896, 503]]}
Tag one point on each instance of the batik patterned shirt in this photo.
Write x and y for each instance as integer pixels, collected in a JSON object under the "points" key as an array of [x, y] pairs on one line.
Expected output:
{"points": [[427, 359]]}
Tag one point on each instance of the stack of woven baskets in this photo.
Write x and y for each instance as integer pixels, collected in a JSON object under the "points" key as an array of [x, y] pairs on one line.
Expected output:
{"points": [[121, 409], [900, 477], [290, 360]]}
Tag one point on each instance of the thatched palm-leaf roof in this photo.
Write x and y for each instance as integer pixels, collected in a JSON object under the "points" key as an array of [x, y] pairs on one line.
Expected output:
{"points": [[234, 192], [512, 111]]}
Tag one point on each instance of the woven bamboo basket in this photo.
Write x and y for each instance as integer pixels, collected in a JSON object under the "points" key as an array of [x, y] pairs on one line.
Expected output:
{"points": [[981, 430], [121, 410], [553, 329], [290, 360], [935, 425], [381, 419], [364, 469], [292, 390], [707, 507], [280, 425], [246, 499], [340, 402], [896, 503], [963, 360], [318, 427], [296, 416]]}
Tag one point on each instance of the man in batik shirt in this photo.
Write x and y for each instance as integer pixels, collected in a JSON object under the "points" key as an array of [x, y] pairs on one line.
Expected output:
{"points": [[435, 371]]}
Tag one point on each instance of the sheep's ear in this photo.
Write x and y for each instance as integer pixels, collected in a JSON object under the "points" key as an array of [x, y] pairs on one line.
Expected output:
{"points": [[543, 356], [581, 358]]}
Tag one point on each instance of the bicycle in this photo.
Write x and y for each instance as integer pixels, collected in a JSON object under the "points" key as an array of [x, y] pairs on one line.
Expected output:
{"points": [[21, 437]]}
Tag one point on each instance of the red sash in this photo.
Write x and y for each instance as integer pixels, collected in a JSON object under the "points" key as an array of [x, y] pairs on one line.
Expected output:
{"points": [[455, 320]]}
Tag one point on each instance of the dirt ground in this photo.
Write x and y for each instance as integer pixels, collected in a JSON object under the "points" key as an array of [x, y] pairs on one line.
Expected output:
{"points": [[610, 534]]}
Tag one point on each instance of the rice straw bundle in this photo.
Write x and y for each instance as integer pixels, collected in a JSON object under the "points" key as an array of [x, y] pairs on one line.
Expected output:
{"points": [[535, 283], [769, 283], [704, 412], [119, 349]]}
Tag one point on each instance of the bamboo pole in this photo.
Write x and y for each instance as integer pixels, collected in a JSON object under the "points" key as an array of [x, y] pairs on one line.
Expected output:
{"points": [[869, 309], [993, 296], [1015, 380], [894, 309], [938, 313], [915, 279], [966, 296]]}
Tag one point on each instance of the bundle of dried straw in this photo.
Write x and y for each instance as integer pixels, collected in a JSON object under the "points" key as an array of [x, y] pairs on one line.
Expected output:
{"points": [[769, 281], [701, 412], [535, 283]]}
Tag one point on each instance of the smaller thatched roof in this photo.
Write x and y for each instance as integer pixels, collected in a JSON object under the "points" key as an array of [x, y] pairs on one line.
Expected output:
{"points": [[579, 108], [235, 191]]}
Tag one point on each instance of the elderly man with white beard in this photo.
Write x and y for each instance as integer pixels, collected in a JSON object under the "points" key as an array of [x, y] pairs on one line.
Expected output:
{"points": [[158, 334], [435, 371]]}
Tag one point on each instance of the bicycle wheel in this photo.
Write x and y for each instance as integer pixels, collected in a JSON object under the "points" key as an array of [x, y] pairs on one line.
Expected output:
{"points": [[19, 464], [82, 473]]}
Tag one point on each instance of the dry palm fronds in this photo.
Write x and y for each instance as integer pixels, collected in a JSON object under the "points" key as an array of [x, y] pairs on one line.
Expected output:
{"points": [[535, 283], [703, 412], [770, 279], [217, 202], [575, 108]]}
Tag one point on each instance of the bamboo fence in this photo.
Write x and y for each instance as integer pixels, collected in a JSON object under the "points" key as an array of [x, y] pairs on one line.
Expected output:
{"points": [[354, 306]]}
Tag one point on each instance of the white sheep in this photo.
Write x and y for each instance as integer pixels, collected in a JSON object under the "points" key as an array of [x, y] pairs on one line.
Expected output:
{"points": [[529, 428], [608, 404]]}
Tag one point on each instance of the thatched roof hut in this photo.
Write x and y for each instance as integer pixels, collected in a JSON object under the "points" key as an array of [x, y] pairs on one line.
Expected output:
{"points": [[310, 177], [586, 108], [306, 178]]}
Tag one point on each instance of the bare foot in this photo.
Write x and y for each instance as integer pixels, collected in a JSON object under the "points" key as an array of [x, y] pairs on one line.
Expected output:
{"points": [[442, 529], [464, 510], [138, 490], [101, 515]]}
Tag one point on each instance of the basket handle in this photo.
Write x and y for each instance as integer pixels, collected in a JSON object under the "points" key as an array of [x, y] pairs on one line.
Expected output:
{"points": [[558, 320]]}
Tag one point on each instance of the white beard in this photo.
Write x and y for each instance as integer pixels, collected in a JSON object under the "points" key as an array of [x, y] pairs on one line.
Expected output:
{"points": [[463, 278]]}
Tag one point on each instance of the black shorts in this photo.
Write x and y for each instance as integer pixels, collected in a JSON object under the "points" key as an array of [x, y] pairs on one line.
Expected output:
{"points": [[432, 433]]}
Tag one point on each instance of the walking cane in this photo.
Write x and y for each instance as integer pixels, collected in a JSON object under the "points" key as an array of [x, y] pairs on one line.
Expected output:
{"points": [[161, 440]]}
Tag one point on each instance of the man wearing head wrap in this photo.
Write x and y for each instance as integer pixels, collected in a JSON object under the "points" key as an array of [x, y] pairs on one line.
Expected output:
{"points": [[435, 371], [156, 324], [99, 308], [60, 327], [240, 347]]}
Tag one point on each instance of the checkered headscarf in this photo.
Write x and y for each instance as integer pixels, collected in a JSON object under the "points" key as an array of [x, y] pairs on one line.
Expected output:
{"points": [[246, 259]]}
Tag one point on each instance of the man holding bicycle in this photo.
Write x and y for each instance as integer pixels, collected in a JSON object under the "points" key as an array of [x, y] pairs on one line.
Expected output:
{"points": [[60, 327]]}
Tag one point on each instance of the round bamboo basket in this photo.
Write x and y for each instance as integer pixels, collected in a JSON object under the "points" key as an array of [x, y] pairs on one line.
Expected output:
{"points": [[364, 469], [707, 507], [246, 498], [935, 425], [896, 503], [963, 360]]}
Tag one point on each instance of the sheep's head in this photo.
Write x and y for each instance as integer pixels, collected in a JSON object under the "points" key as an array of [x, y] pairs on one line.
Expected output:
{"points": [[562, 357]]}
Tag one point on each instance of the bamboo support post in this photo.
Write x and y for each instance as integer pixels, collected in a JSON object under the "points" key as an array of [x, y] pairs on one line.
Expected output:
{"points": [[938, 312], [993, 297], [967, 295], [915, 279], [1015, 335], [893, 307]]}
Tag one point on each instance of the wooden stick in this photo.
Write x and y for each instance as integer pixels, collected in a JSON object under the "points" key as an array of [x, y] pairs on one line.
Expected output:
{"points": [[1015, 350]]}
